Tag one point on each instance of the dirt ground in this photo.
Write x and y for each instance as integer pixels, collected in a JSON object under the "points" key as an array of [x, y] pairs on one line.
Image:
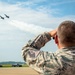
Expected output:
{"points": [[17, 71]]}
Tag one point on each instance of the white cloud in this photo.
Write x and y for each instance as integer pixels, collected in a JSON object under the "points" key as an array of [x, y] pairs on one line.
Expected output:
{"points": [[28, 27], [30, 16]]}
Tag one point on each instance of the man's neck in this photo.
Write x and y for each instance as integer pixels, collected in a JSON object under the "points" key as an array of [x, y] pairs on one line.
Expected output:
{"points": [[60, 46]]}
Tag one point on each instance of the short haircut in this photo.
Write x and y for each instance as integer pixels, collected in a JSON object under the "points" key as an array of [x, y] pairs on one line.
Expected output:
{"points": [[66, 32]]}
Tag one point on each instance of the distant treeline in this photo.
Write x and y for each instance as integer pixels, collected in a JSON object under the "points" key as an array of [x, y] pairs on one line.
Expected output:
{"points": [[11, 62]]}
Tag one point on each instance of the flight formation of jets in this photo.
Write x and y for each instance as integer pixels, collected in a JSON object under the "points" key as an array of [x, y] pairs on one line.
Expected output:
{"points": [[3, 17]]}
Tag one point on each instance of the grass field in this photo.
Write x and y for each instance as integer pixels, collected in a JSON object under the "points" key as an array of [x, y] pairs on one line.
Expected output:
{"points": [[18, 71]]}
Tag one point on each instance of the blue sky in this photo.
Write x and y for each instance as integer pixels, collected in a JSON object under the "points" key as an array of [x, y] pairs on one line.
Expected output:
{"points": [[27, 19]]}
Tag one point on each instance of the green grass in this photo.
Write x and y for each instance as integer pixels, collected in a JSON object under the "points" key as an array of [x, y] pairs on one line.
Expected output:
{"points": [[9, 65]]}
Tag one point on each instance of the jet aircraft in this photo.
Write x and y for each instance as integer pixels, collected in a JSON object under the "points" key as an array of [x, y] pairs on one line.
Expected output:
{"points": [[2, 17], [6, 15]]}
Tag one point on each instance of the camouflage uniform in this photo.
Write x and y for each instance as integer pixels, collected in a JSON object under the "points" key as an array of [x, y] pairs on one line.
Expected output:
{"points": [[62, 62]]}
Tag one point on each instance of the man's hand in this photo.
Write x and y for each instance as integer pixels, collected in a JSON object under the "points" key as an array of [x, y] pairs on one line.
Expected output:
{"points": [[53, 33]]}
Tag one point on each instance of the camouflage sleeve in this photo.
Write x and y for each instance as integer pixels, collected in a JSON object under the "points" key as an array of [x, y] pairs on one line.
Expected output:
{"points": [[39, 41], [31, 51]]}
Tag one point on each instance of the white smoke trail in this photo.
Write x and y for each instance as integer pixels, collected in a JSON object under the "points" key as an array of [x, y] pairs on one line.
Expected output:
{"points": [[28, 27]]}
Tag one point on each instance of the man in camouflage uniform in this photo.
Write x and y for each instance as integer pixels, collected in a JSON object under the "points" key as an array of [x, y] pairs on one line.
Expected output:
{"points": [[62, 62]]}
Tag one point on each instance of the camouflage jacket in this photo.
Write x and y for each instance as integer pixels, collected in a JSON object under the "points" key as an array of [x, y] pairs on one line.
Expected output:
{"points": [[62, 62]]}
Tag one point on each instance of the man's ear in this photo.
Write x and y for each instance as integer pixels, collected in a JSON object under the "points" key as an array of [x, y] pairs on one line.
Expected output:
{"points": [[56, 39]]}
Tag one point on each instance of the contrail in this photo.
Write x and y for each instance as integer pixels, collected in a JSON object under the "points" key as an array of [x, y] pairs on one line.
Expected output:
{"points": [[34, 29]]}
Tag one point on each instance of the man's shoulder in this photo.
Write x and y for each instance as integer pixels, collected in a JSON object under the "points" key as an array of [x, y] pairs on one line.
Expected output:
{"points": [[65, 54]]}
